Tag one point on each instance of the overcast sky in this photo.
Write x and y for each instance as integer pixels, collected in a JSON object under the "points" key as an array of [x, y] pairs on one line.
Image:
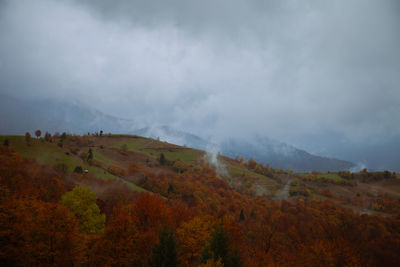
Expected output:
{"points": [[284, 69]]}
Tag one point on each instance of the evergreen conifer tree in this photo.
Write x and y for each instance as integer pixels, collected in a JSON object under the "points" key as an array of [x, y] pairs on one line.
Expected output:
{"points": [[165, 252]]}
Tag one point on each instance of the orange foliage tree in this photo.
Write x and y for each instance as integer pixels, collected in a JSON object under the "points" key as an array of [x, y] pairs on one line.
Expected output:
{"points": [[38, 133]]}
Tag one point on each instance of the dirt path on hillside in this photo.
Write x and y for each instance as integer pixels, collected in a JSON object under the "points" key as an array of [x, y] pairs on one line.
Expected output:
{"points": [[284, 194]]}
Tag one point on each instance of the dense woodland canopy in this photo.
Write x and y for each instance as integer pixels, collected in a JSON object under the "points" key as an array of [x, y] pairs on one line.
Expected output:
{"points": [[192, 218]]}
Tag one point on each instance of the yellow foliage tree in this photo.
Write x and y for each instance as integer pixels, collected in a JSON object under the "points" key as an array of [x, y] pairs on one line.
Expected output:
{"points": [[241, 161], [82, 202], [192, 236], [251, 163]]}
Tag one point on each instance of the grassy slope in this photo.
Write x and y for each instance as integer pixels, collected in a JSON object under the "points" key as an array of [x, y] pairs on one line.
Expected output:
{"points": [[50, 154], [135, 187], [172, 152], [236, 171], [100, 157], [262, 184], [185, 154], [155, 148], [333, 176]]}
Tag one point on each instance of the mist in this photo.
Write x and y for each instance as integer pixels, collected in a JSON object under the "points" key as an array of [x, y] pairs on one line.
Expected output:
{"points": [[324, 77]]}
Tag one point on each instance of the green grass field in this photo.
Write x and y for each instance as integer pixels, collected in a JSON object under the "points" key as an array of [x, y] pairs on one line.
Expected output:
{"points": [[333, 176], [236, 171], [100, 157], [50, 154], [184, 154], [132, 144], [139, 145], [135, 187]]}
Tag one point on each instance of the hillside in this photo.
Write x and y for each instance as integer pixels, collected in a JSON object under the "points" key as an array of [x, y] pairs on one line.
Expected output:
{"points": [[150, 191], [130, 157], [262, 149], [113, 156]]}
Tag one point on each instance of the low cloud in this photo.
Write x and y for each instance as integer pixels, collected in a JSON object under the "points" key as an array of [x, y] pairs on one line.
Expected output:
{"points": [[280, 69]]}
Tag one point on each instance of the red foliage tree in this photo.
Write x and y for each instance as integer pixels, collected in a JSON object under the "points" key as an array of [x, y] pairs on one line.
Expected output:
{"points": [[37, 233], [119, 244], [38, 133]]}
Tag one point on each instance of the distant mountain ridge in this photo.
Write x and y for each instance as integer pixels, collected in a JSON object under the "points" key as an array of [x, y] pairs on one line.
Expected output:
{"points": [[279, 154], [18, 116]]}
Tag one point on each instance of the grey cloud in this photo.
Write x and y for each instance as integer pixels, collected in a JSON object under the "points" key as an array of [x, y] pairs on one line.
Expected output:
{"points": [[279, 68]]}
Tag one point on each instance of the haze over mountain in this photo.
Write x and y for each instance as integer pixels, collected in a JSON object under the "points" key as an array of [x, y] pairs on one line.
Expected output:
{"points": [[19, 116], [321, 76], [77, 118]]}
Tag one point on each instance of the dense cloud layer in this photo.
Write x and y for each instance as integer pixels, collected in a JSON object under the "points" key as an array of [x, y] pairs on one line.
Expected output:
{"points": [[285, 69]]}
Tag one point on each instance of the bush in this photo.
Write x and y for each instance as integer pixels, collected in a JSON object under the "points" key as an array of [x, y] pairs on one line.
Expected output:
{"points": [[116, 171], [179, 166], [78, 169], [293, 191], [135, 168], [162, 159], [6, 143]]}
